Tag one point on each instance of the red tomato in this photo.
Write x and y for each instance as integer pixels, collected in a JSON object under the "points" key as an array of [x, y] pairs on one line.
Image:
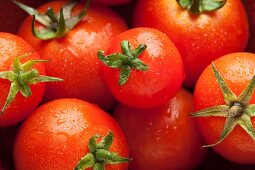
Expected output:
{"points": [[73, 57], [200, 38], [236, 69], [250, 9], [56, 136], [11, 16], [162, 138], [162, 79], [12, 47]]}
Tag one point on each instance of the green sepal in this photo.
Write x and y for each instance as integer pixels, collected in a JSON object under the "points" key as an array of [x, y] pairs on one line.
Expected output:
{"points": [[100, 154], [125, 72], [250, 110], [221, 111], [246, 94], [199, 6], [99, 166], [229, 96], [87, 161], [93, 144], [229, 125], [246, 124], [41, 18], [56, 25], [21, 77], [106, 142], [14, 89], [126, 61]]}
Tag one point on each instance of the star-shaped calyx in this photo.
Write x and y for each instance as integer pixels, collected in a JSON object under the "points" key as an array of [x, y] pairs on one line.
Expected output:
{"points": [[56, 25], [199, 6], [99, 154], [236, 110], [125, 61], [21, 77]]}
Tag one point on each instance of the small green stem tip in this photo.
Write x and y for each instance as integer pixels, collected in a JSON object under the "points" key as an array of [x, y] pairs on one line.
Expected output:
{"points": [[21, 77], [125, 61], [99, 154], [200, 6]]}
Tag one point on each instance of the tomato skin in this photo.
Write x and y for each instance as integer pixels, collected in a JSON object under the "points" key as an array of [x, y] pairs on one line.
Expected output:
{"points": [[11, 47], [56, 135], [73, 57], [162, 138], [162, 79], [199, 38], [237, 70]]}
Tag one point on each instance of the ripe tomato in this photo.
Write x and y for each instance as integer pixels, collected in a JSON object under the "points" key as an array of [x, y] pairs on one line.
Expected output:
{"points": [[10, 20], [162, 138], [235, 128], [11, 47], [73, 57], [57, 134], [161, 80], [200, 38], [250, 9]]}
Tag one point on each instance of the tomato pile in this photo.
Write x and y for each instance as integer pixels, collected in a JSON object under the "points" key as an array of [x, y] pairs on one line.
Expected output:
{"points": [[127, 84]]}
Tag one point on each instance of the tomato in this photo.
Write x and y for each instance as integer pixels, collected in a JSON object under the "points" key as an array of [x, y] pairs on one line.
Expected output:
{"points": [[250, 9], [11, 47], [165, 137], [10, 20], [200, 38], [57, 134], [227, 132], [73, 57], [155, 74]]}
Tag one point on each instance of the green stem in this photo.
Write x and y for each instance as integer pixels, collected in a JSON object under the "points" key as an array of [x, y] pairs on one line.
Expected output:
{"points": [[21, 76], [126, 61], [200, 6]]}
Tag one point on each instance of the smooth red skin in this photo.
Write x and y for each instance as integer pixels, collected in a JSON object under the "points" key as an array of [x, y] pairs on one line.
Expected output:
{"points": [[74, 57], [162, 138], [199, 38], [11, 47], [250, 9], [162, 79], [237, 70], [11, 16], [56, 136]]}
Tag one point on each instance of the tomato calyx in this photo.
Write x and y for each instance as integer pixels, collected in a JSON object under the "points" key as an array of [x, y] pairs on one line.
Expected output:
{"points": [[236, 110], [21, 76], [56, 25], [200, 6], [99, 154], [125, 61]]}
